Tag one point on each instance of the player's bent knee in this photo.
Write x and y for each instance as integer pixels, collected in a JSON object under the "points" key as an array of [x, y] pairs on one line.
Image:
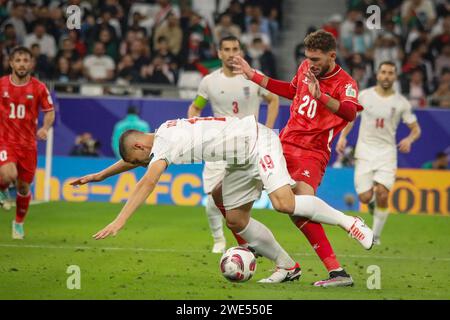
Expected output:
{"points": [[365, 197]]}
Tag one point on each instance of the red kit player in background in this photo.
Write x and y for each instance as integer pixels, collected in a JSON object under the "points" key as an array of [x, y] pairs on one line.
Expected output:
{"points": [[325, 99], [21, 98]]}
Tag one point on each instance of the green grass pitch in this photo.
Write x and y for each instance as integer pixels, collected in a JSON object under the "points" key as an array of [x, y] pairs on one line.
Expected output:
{"points": [[164, 253]]}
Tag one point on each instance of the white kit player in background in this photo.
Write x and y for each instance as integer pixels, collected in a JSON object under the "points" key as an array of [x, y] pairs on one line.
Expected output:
{"points": [[376, 148], [234, 96], [254, 158]]}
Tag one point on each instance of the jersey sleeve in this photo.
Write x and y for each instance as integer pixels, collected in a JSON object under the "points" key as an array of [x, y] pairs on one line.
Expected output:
{"points": [[161, 150], [348, 91], [46, 100], [408, 115]]}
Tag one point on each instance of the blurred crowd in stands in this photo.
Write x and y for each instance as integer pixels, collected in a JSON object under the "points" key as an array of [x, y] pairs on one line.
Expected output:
{"points": [[415, 34], [162, 41], [127, 41]]}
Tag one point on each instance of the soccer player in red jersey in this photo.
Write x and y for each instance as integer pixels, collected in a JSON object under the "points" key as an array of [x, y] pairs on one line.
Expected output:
{"points": [[324, 99], [21, 97]]}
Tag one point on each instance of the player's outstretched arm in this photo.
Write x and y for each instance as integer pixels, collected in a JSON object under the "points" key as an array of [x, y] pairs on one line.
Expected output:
{"points": [[281, 88], [143, 189], [118, 167], [342, 142]]}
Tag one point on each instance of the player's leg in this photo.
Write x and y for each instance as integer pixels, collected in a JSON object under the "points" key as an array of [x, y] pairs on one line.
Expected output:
{"points": [[212, 176], [26, 168], [316, 236], [275, 177], [364, 184], [384, 181], [261, 240], [218, 201], [8, 175]]}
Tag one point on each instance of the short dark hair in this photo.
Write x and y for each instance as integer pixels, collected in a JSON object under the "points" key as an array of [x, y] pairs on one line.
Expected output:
{"points": [[132, 110], [388, 63], [229, 38], [320, 40], [441, 154], [19, 50], [123, 150]]}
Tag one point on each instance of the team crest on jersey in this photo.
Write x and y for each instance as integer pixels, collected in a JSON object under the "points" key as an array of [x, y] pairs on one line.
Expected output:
{"points": [[247, 92], [5, 94], [350, 92]]}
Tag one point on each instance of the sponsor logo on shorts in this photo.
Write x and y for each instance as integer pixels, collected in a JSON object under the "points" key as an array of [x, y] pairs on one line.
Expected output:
{"points": [[306, 173]]}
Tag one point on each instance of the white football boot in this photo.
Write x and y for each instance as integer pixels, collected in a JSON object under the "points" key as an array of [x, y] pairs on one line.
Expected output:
{"points": [[17, 230], [283, 275], [362, 233]]}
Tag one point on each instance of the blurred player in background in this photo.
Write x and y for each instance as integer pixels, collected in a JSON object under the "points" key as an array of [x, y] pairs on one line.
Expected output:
{"points": [[230, 95], [325, 99], [22, 96], [376, 149]]}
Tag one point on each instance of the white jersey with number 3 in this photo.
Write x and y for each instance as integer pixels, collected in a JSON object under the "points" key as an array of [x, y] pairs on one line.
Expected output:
{"points": [[379, 121], [231, 96]]}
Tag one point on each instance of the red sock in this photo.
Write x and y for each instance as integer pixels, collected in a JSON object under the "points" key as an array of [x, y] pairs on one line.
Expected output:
{"points": [[316, 236], [239, 239], [22, 204]]}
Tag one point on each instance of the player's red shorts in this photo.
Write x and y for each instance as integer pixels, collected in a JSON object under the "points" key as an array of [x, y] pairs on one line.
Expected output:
{"points": [[25, 160], [303, 165]]}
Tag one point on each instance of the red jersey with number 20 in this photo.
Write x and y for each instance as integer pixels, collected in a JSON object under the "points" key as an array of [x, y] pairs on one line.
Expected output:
{"points": [[19, 111], [312, 126]]}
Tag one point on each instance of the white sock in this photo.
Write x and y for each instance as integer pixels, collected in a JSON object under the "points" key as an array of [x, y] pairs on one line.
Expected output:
{"points": [[260, 238], [380, 216], [317, 210], [214, 219]]}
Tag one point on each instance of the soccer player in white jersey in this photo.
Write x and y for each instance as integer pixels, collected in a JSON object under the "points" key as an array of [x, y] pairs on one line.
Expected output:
{"points": [[254, 159], [376, 148], [234, 96]]}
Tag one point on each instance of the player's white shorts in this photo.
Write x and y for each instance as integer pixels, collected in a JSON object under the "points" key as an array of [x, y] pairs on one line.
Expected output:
{"points": [[213, 174], [267, 168], [368, 172]]}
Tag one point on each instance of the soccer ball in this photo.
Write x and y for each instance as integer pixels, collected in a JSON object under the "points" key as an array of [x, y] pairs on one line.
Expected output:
{"points": [[238, 264]]}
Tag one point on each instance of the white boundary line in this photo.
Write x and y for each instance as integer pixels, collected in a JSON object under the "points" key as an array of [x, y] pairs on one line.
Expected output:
{"points": [[44, 246]]}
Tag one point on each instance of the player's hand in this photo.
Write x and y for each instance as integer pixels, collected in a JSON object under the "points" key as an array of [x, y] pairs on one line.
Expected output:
{"points": [[313, 85], [404, 146], [86, 179], [341, 144], [42, 133], [110, 229], [240, 66]]}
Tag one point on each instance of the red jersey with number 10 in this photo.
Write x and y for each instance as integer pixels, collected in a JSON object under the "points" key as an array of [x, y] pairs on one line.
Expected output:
{"points": [[19, 111], [312, 126]]}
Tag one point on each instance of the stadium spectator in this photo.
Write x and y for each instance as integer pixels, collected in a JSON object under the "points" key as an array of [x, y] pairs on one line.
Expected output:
{"points": [[253, 33], [126, 72], [274, 25], [40, 36], [132, 121], [172, 32], [43, 69], [165, 8], [359, 41], [415, 88], [98, 67], [9, 38], [86, 146], [387, 48], [440, 162], [67, 50], [441, 97], [158, 72], [255, 13], [140, 53], [17, 19], [348, 25], [225, 28], [442, 39], [415, 12], [237, 14], [162, 50], [261, 58], [110, 45], [443, 60], [333, 25]]}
